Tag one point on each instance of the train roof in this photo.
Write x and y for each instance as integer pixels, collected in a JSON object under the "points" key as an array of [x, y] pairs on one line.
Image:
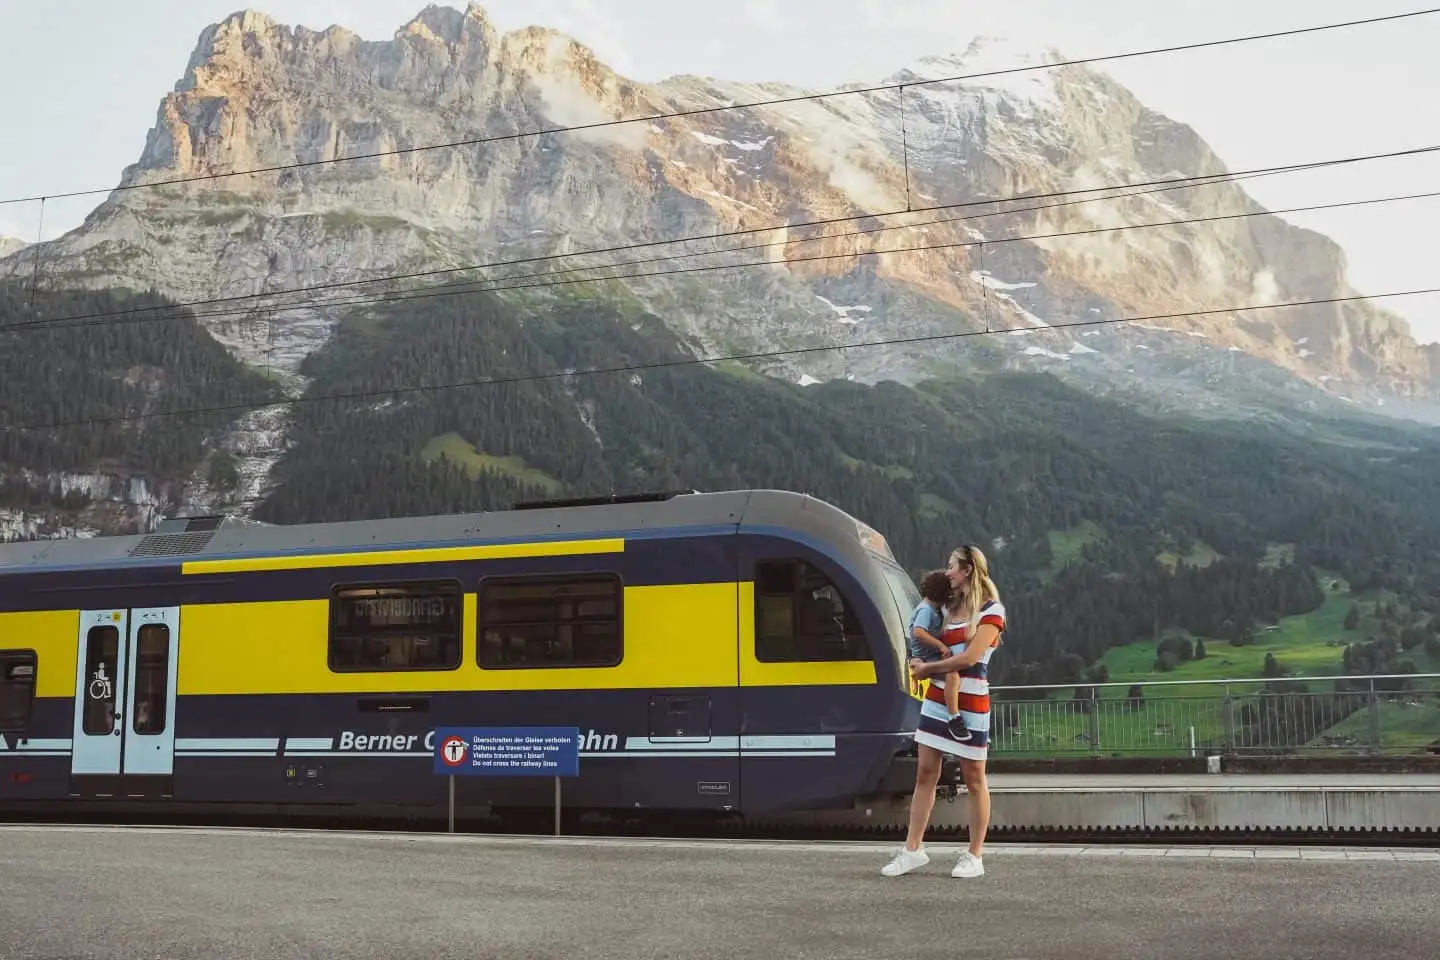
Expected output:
{"points": [[211, 537]]}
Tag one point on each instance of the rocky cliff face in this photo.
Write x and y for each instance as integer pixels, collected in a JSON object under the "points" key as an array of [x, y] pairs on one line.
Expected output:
{"points": [[257, 94]]}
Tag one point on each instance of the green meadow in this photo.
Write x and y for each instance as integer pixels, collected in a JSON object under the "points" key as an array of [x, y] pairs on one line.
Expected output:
{"points": [[1175, 706], [462, 453]]}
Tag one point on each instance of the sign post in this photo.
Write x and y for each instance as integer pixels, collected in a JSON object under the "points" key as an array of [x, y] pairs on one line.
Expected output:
{"points": [[507, 752], [451, 779]]}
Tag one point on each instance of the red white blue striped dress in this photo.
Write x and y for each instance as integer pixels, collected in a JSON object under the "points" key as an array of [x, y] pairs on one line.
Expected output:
{"points": [[933, 729]]}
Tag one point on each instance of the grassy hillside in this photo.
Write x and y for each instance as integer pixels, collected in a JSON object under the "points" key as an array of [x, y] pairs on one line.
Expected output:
{"points": [[1307, 644], [463, 454], [1156, 711]]}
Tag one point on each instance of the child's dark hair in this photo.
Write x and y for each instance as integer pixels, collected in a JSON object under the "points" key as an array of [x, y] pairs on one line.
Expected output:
{"points": [[935, 586]]}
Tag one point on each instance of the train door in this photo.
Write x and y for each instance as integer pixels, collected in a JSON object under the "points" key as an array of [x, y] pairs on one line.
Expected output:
{"points": [[124, 727]]}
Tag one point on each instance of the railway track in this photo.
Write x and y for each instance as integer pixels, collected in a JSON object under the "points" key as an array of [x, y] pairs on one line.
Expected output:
{"points": [[1128, 836], [834, 829]]}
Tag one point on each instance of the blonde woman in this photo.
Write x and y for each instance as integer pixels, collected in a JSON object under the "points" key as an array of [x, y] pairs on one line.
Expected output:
{"points": [[974, 620]]}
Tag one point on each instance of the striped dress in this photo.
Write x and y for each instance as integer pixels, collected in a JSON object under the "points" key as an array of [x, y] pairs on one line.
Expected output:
{"points": [[933, 729]]}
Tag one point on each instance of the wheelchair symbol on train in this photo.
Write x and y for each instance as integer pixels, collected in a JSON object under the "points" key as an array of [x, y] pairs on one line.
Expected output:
{"points": [[101, 687]]}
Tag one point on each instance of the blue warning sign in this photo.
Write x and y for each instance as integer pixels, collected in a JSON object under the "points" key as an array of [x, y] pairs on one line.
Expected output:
{"points": [[507, 751]]}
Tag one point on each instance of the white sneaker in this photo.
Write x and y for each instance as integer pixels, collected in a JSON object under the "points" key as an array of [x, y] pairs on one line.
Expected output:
{"points": [[968, 865], [905, 861]]}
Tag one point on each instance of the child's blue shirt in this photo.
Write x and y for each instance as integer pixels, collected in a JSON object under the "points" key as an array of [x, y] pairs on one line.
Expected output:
{"points": [[928, 618]]}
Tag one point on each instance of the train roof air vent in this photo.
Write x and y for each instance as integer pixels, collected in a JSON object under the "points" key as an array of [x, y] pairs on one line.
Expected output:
{"points": [[613, 499], [179, 536], [172, 544], [191, 524]]}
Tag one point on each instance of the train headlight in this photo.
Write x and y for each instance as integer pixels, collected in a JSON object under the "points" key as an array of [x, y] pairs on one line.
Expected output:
{"points": [[873, 540]]}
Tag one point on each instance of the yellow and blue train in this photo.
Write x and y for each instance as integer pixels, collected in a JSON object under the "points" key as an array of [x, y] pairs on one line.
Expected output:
{"points": [[739, 651]]}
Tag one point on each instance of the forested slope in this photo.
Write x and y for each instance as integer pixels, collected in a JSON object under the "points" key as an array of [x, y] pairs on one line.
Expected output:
{"points": [[1013, 461], [86, 373]]}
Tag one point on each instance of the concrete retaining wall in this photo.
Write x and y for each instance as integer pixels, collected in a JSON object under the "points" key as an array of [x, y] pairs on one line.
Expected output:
{"points": [[1326, 808]]}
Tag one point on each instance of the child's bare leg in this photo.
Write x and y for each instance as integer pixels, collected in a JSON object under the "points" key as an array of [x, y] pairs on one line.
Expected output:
{"points": [[952, 693]]}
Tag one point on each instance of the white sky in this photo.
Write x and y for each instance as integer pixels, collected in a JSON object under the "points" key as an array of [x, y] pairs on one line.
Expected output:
{"points": [[82, 79]]}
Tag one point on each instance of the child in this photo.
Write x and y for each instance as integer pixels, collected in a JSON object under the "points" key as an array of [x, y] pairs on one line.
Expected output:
{"points": [[926, 625]]}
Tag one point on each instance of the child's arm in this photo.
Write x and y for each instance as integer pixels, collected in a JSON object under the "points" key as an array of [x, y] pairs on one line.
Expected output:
{"points": [[975, 648], [923, 635]]}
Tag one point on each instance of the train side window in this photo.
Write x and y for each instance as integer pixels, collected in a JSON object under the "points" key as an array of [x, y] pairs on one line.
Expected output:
{"points": [[551, 621], [17, 689], [152, 678], [802, 617], [102, 660], [376, 627]]}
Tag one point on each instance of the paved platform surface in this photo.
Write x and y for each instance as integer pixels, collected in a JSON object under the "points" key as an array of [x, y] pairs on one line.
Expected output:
{"points": [[97, 892], [1131, 782]]}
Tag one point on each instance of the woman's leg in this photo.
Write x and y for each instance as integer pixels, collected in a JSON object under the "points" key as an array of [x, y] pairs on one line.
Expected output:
{"points": [[974, 773], [927, 777]]}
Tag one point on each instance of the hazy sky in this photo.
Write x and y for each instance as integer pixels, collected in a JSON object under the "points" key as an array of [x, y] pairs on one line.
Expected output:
{"points": [[82, 79]]}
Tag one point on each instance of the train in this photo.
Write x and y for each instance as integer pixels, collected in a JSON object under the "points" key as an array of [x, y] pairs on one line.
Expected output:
{"points": [[736, 652]]}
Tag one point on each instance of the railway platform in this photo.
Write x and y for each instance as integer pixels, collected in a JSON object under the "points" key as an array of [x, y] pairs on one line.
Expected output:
{"points": [[1355, 807], [1225, 801], [113, 892]]}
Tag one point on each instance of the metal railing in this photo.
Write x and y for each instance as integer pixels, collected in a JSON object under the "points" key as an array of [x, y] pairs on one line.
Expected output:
{"points": [[1284, 716]]}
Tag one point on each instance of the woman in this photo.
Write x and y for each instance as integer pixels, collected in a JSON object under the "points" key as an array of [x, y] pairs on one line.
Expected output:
{"points": [[975, 602]]}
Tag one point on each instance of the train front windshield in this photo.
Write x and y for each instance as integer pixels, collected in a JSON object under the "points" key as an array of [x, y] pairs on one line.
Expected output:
{"points": [[907, 597], [903, 589]]}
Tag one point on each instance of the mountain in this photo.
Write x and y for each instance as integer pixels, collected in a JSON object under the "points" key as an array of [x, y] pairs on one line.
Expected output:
{"points": [[257, 94], [1069, 451], [9, 245]]}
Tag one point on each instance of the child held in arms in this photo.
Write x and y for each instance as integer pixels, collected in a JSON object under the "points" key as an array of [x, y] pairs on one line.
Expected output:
{"points": [[926, 625]]}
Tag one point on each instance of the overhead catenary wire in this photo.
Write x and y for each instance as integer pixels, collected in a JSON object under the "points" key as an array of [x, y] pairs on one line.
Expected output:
{"points": [[687, 362], [905, 151], [461, 290], [470, 289], [1196, 180], [778, 101], [464, 289], [179, 310], [544, 281], [39, 236]]}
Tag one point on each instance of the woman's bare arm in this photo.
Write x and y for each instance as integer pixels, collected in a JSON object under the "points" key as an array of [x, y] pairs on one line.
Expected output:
{"points": [[975, 648]]}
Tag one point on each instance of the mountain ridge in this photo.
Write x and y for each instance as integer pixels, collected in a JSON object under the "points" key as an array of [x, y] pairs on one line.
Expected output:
{"points": [[259, 94], [256, 93]]}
